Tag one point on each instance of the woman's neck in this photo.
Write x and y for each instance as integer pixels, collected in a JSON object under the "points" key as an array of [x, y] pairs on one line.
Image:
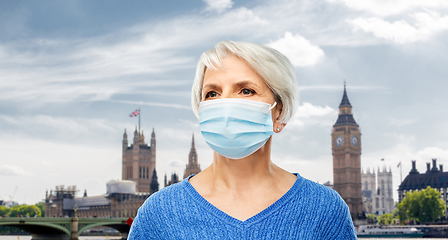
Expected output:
{"points": [[234, 174]]}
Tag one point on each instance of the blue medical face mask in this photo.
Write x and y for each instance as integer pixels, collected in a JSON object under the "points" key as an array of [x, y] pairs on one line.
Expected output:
{"points": [[235, 128]]}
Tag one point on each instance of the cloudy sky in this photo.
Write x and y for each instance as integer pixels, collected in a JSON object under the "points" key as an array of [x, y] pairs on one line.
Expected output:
{"points": [[72, 71]]}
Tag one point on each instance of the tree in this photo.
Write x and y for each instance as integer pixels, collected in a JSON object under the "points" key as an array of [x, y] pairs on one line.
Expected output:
{"points": [[432, 206], [386, 219], [4, 211], [371, 218], [422, 206], [41, 207], [24, 210]]}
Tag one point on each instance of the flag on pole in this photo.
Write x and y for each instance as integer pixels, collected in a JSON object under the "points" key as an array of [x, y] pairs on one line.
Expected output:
{"points": [[399, 164], [135, 113]]}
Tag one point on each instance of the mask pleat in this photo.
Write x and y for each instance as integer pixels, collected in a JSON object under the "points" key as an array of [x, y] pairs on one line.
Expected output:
{"points": [[235, 128]]}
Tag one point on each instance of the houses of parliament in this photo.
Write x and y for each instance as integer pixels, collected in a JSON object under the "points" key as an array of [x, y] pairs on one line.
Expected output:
{"points": [[123, 197]]}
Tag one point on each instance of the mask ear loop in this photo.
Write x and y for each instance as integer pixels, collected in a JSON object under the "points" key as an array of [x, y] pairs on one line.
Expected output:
{"points": [[272, 107]]}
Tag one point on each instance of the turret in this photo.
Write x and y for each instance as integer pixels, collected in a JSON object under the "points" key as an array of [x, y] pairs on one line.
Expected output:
{"points": [[153, 138], [153, 146], [142, 139], [125, 140], [136, 138]]}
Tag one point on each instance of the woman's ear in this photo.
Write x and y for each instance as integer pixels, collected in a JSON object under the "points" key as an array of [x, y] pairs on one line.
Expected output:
{"points": [[278, 125]]}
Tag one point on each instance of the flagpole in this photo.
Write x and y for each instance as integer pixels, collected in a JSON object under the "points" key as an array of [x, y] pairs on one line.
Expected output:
{"points": [[401, 178], [139, 113]]}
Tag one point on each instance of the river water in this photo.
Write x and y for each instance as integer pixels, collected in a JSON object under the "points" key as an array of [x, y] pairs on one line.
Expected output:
{"points": [[105, 238], [80, 238]]}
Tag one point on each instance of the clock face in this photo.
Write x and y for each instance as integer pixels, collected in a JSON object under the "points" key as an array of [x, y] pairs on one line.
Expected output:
{"points": [[355, 141], [339, 140]]}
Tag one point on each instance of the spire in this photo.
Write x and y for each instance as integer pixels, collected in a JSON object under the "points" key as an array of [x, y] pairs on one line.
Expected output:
{"points": [[193, 166], [154, 185], [165, 180], [153, 139], [125, 135], [345, 102], [345, 112], [192, 142]]}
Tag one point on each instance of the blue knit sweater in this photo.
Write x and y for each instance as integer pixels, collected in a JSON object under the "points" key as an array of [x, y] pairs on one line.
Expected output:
{"points": [[307, 211]]}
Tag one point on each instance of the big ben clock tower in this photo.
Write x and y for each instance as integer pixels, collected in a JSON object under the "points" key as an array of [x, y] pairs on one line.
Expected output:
{"points": [[346, 150]]}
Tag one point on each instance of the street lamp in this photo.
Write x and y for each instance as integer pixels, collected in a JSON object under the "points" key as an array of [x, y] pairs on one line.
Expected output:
{"points": [[75, 208]]}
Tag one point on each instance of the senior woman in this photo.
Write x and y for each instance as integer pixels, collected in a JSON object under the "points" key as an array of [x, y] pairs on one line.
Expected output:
{"points": [[243, 93]]}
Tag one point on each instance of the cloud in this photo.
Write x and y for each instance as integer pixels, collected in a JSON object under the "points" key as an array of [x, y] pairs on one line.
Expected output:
{"points": [[136, 58], [400, 31], [432, 152], [391, 7], [72, 130], [401, 122], [337, 88], [308, 114], [218, 5], [299, 50], [10, 170], [74, 125], [168, 105]]}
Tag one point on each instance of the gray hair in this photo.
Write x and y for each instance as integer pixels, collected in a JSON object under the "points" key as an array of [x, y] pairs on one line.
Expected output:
{"points": [[273, 67]]}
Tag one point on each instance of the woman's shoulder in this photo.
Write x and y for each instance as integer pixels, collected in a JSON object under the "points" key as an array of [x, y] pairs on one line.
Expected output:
{"points": [[167, 196], [320, 193], [327, 208], [171, 192]]}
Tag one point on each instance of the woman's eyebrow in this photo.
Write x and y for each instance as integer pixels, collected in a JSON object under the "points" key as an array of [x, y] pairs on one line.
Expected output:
{"points": [[209, 85], [245, 83]]}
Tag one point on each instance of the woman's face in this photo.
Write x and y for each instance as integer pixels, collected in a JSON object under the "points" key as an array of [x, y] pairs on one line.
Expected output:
{"points": [[236, 79]]}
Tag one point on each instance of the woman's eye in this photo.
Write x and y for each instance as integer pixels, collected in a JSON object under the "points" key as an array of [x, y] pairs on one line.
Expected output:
{"points": [[211, 94], [247, 91]]}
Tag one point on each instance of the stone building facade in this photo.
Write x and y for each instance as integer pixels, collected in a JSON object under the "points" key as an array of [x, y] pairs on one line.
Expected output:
{"points": [[123, 197], [377, 194], [368, 180], [117, 202], [193, 166], [139, 160], [346, 150]]}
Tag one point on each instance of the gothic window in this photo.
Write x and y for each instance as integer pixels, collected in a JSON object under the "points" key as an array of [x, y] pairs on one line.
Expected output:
{"points": [[147, 172], [140, 172]]}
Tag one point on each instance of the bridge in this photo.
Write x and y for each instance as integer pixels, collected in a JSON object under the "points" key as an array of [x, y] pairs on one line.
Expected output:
{"points": [[63, 228]]}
